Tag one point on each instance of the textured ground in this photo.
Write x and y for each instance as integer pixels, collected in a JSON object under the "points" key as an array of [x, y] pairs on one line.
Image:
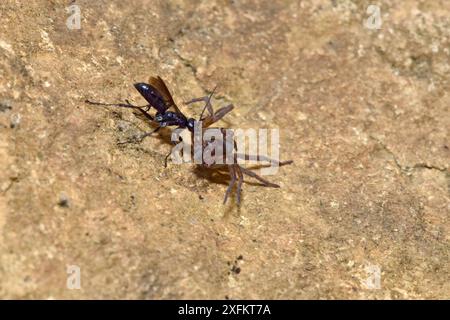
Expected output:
{"points": [[363, 113]]}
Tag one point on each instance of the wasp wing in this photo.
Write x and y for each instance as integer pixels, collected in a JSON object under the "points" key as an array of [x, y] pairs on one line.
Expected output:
{"points": [[160, 85]]}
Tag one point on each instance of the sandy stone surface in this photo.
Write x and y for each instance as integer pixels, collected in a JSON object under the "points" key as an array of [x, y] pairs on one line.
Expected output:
{"points": [[364, 113]]}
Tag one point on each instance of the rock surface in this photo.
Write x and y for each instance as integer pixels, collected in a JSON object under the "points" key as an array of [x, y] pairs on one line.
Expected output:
{"points": [[363, 112]]}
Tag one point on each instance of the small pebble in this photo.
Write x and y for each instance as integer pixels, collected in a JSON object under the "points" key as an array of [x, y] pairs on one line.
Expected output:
{"points": [[63, 201], [5, 105], [15, 120]]}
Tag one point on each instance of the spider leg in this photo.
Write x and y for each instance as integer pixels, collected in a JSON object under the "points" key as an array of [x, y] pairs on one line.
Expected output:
{"points": [[239, 185], [262, 158], [219, 114], [230, 186], [257, 177], [204, 99]]}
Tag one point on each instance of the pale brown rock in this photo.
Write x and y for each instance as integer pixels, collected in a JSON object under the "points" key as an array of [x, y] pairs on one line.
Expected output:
{"points": [[363, 113]]}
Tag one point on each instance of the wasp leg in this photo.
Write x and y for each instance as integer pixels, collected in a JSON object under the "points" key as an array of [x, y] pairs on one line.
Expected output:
{"points": [[138, 138], [170, 152]]}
